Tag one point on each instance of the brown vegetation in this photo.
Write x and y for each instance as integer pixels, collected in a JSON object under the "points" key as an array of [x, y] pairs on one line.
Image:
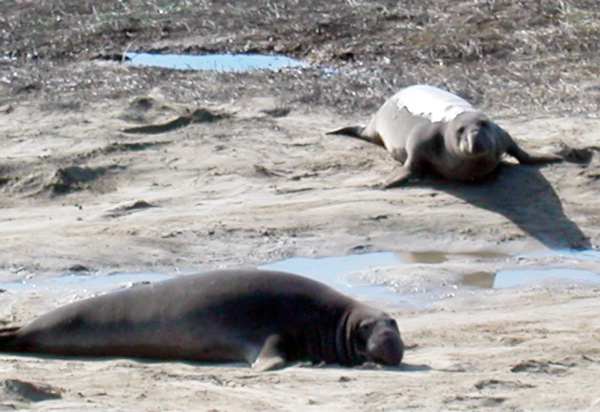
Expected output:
{"points": [[520, 56]]}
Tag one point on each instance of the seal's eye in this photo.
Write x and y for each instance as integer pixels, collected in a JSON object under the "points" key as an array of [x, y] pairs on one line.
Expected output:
{"points": [[363, 333], [461, 130], [365, 329]]}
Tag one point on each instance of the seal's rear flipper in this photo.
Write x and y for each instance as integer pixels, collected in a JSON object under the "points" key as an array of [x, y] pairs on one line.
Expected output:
{"points": [[352, 131], [269, 357], [359, 132], [8, 336]]}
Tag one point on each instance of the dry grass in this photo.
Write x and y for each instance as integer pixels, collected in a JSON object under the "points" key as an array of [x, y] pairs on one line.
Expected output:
{"points": [[507, 55]]}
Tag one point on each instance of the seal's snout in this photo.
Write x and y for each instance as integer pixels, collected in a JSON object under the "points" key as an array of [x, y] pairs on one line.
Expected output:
{"points": [[385, 345], [476, 141]]}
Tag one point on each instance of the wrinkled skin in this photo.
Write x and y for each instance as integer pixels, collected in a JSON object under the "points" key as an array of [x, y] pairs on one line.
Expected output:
{"points": [[267, 319]]}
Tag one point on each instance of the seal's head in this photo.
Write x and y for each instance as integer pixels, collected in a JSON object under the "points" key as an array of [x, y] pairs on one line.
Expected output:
{"points": [[376, 339], [471, 135]]}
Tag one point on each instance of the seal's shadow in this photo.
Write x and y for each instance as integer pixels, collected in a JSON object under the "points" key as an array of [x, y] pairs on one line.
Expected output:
{"points": [[525, 197]]}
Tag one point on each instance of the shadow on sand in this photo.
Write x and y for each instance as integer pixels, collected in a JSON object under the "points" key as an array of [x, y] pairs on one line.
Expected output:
{"points": [[525, 197]]}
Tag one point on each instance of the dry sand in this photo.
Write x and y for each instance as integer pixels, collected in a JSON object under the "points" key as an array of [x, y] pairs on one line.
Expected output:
{"points": [[260, 184]]}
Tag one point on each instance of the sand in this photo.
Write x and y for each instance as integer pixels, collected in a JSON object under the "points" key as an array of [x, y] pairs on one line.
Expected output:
{"points": [[261, 182]]}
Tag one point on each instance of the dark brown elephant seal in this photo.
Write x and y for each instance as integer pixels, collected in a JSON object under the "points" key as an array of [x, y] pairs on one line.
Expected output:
{"points": [[430, 129], [264, 318]]}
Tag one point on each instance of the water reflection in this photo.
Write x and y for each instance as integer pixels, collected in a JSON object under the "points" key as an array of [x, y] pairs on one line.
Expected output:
{"points": [[433, 257], [478, 279]]}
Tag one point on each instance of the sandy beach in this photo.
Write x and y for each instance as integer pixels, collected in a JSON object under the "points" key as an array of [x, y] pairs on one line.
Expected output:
{"points": [[92, 185]]}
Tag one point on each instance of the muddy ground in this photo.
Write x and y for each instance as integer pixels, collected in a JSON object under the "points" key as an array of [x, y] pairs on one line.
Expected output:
{"points": [[246, 175]]}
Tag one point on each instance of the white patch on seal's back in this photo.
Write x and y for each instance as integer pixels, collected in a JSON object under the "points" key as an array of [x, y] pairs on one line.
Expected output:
{"points": [[434, 104]]}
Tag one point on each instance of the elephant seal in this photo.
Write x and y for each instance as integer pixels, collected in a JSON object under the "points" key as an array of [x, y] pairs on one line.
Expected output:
{"points": [[264, 318], [432, 130]]}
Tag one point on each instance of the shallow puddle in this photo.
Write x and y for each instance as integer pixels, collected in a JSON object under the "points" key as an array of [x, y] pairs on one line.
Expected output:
{"points": [[513, 278], [432, 256], [84, 283], [518, 277], [337, 272], [214, 62], [334, 272]]}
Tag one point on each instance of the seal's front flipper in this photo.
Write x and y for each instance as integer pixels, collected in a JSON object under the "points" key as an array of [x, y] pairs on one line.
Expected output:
{"points": [[269, 357], [528, 159], [397, 178], [514, 150], [543, 159]]}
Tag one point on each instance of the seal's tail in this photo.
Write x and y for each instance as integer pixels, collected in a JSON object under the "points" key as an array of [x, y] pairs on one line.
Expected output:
{"points": [[8, 338]]}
